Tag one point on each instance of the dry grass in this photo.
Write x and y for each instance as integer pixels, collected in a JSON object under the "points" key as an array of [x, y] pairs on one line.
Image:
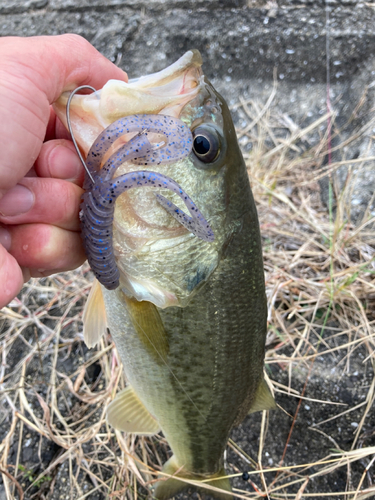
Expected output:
{"points": [[321, 290]]}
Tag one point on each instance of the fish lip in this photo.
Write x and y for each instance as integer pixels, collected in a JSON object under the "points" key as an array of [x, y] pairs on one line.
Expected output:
{"points": [[191, 59]]}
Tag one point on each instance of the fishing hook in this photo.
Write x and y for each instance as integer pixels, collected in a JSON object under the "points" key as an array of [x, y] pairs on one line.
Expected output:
{"points": [[71, 129]]}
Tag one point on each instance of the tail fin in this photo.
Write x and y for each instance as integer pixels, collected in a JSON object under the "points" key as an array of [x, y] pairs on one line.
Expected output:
{"points": [[166, 488]]}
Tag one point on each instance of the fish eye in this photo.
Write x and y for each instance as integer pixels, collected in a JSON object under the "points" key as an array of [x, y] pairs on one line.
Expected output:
{"points": [[206, 144]]}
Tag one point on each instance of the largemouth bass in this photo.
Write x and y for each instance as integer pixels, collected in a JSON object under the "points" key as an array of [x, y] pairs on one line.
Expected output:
{"points": [[188, 316]]}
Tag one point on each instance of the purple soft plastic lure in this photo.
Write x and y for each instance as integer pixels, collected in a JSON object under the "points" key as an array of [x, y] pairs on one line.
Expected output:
{"points": [[102, 189]]}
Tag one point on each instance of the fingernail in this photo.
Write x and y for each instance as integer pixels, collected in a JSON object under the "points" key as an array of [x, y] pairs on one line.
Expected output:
{"points": [[64, 163], [16, 201], [5, 238]]}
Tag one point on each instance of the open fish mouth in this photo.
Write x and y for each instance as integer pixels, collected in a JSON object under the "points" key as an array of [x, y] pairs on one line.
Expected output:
{"points": [[102, 189], [165, 92]]}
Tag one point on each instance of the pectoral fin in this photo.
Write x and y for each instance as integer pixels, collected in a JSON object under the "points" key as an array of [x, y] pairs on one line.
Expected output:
{"points": [[263, 399], [149, 326], [94, 316], [167, 488], [128, 414]]}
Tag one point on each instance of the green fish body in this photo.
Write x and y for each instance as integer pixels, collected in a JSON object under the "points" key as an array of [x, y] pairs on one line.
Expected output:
{"points": [[189, 316]]}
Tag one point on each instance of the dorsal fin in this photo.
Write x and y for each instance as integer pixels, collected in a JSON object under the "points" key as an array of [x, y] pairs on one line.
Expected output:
{"points": [[149, 326], [94, 316], [128, 414]]}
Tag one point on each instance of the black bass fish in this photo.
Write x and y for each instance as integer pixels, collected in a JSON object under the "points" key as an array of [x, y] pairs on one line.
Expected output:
{"points": [[183, 295]]}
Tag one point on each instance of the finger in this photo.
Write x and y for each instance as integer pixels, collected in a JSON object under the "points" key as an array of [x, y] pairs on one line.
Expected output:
{"points": [[33, 74], [58, 159], [11, 279], [44, 248], [49, 201]]}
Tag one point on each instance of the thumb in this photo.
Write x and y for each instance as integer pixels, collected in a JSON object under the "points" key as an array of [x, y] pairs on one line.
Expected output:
{"points": [[33, 73]]}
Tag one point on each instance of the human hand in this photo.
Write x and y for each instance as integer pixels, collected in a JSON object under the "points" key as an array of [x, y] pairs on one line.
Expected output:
{"points": [[40, 173]]}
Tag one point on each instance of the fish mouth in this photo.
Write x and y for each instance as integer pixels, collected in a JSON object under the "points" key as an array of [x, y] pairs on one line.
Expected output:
{"points": [[165, 92]]}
